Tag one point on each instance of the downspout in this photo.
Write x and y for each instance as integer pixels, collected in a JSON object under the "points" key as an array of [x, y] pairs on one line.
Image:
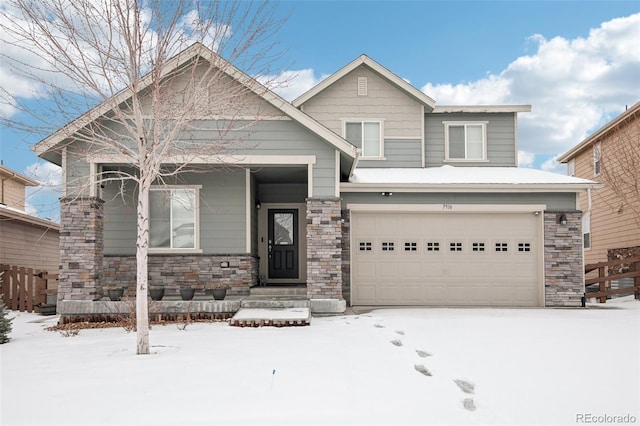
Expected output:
{"points": [[355, 162]]}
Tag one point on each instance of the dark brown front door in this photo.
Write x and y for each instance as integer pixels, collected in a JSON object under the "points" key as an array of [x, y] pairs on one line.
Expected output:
{"points": [[283, 243]]}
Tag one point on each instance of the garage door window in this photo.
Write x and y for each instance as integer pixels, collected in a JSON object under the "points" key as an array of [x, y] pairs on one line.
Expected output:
{"points": [[524, 247], [410, 246], [502, 247], [365, 246], [433, 246], [477, 247], [456, 247], [388, 246]]}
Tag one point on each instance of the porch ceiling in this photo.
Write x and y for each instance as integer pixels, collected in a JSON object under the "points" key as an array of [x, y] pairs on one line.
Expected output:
{"points": [[280, 174]]}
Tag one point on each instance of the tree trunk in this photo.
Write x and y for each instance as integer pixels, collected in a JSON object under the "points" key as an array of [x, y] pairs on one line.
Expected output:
{"points": [[142, 251]]}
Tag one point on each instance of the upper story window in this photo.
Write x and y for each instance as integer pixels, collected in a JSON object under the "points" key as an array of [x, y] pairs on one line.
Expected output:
{"points": [[465, 141], [173, 218], [366, 134], [597, 159], [571, 167]]}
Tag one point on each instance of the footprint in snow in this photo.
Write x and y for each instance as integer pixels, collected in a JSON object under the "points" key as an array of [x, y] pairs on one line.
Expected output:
{"points": [[396, 342], [422, 354], [465, 386], [378, 325], [469, 404], [422, 369], [400, 332]]}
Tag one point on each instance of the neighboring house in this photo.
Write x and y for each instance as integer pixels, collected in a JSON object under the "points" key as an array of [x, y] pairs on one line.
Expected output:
{"points": [[362, 189], [25, 240], [611, 227]]}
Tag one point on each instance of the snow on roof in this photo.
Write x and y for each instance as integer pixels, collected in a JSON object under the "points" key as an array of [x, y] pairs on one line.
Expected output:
{"points": [[463, 175]]}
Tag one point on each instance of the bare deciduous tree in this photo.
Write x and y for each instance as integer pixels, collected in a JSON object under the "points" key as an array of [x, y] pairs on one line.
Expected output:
{"points": [[145, 72], [620, 168]]}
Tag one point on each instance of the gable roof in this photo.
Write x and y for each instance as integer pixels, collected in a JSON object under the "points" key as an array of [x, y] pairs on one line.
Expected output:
{"points": [[385, 73], [10, 174], [599, 133], [44, 147]]}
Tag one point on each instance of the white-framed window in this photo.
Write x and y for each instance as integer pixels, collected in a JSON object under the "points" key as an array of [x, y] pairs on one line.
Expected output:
{"points": [[597, 159], [365, 134], [173, 218], [571, 167], [586, 230], [465, 141]]}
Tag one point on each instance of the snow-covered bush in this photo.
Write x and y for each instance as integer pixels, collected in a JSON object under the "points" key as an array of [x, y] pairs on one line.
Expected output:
{"points": [[5, 323]]}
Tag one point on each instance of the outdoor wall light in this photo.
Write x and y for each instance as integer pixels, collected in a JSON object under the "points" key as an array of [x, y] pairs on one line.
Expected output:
{"points": [[224, 264], [561, 219], [258, 205], [386, 194]]}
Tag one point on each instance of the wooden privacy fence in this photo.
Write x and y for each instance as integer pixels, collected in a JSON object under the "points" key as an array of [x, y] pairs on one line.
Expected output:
{"points": [[26, 289], [603, 280]]}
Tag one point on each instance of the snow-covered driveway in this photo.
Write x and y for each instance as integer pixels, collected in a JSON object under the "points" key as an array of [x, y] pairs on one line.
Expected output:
{"points": [[517, 366]]}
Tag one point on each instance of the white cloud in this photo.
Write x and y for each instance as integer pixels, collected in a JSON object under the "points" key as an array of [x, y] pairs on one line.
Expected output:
{"points": [[574, 86], [293, 83], [42, 200], [525, 159], [552, 165]]}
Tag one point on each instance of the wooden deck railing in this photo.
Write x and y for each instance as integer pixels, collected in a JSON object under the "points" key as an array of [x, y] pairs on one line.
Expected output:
{"points": [[26, 289], [603, 280]]}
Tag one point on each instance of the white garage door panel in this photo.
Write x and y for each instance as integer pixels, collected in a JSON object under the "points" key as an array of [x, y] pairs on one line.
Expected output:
{"points": [[433, 259]]}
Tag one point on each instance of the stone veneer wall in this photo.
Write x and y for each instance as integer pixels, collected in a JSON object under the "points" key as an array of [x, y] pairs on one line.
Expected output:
{"points": [[81, 242], [346, 257], [174, 271], [622, 253], [324, 248], [563, 260]]}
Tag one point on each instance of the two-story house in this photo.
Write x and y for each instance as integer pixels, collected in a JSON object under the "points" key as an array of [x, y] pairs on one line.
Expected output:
{"points": [[363, 190], [611, 155], [25, 241]]}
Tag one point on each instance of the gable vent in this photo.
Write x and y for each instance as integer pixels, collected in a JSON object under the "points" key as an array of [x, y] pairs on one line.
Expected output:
{"points": [[362, 86]]}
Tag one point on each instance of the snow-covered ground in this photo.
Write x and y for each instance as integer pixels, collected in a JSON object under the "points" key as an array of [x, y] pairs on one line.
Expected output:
{"points": [[526, 367]]}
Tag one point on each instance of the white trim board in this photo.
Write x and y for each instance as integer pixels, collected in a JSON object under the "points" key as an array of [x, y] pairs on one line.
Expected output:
{"points": [[448, 208]]}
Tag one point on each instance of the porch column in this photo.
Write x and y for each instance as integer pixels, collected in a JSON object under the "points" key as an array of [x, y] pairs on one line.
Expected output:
{"points": [[81, 248], [563, 260], [324, 255]]}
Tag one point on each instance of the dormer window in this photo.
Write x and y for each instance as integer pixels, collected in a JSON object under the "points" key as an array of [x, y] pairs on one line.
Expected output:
{"points": [[365, 134], [465, 141]]}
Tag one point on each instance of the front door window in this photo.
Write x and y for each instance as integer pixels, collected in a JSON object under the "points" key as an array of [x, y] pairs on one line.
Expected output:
{"points": [[283, 243]]}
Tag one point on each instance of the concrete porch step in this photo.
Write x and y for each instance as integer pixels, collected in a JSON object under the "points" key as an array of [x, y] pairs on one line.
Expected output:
{"points": [[276, 317], [282, 290], [274, 302]]}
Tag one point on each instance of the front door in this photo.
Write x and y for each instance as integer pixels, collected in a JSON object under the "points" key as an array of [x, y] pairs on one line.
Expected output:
{"points": [[283, 243]]}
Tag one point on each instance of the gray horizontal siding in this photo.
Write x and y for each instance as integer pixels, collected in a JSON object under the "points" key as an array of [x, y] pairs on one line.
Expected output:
{"points": [[397, 153], [276, 137], [554, 201], [222, 213], [501, 136], [283, 138]]}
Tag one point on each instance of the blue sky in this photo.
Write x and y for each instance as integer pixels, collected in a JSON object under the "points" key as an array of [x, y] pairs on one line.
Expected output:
{"points": [[576, 62]]}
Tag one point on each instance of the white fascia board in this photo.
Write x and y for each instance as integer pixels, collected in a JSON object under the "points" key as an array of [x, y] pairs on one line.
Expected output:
{"points": [[448, 208], [481, 108], [384, 72], [220, 159], [485, 188]]}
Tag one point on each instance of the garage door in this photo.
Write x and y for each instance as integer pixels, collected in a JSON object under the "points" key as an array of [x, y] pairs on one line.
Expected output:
{"points": [[455, 259]]}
